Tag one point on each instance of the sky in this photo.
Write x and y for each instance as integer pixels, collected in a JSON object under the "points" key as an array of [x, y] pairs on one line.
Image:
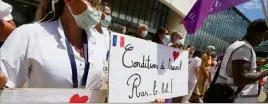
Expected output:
{"points": [[252, 9]]}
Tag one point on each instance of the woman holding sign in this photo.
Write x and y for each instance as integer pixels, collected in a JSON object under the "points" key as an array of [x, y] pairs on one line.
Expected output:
{"points": [[59, 51]]}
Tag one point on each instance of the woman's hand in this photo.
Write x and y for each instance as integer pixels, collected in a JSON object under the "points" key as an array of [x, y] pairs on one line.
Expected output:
{"points": [[3, 80], [159, 100]]}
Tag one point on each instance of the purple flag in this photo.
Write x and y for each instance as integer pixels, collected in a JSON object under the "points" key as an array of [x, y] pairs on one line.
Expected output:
{"points": [[195, 18], [220, 5], [202, 8]]}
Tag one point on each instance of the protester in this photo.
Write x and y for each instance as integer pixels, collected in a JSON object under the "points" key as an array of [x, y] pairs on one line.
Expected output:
{"points": [[159, 37], [6, 22], [106, 18], [190, 49], [123, 30], [142, 31], [214, 63], [204, 74], [193, 71], [175, 40], [6, 27], [265, 80], [53, 53], [239, 64], [101, 28], [260, 63]]}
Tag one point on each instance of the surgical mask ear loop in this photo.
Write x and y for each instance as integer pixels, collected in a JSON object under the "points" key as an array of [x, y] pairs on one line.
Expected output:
{"points": [[53, 2]]}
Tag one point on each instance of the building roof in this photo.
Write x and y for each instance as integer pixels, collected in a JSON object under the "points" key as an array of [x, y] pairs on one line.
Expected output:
{"points": [[241, 14]]}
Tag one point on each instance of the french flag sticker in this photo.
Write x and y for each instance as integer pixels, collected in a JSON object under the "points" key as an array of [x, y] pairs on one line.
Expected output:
{"points": [[114, 40], [121, 41]]}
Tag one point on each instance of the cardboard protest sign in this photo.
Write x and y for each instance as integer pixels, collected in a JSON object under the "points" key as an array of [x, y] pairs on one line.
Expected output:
{"points": [[141, 71], [28, 95]]}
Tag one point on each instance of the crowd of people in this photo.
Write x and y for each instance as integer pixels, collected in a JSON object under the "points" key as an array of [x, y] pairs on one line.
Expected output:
{"points": [[68, 44]]}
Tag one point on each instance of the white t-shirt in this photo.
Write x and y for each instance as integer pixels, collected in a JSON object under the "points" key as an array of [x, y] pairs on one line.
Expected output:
{"points": [[194, 63], [240, 50], [38, 53]]}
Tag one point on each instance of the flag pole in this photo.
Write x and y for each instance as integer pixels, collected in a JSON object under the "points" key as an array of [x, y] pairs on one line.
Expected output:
{"points": [[264, 12]]}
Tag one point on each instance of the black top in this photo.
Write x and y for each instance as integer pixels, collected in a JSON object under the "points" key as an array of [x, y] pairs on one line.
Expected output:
{"points": [[1, 43]]}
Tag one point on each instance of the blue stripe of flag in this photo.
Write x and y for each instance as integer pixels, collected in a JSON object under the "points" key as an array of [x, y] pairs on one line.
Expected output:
{"points": [[114, 40]]}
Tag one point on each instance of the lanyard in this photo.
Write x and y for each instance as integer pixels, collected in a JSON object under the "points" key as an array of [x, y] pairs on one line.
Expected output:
{"points": [[107, 56], [73, 63]]}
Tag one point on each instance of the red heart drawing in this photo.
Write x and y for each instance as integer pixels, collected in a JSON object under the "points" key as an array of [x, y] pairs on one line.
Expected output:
{"points": [[175, 55], [76, 99]]}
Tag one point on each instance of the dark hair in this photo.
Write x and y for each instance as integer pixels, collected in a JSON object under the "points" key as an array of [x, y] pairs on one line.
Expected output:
{"points": [[257, 26], [105, 4], [156, 37], [189, 46], [197, 54], [59, 8]]}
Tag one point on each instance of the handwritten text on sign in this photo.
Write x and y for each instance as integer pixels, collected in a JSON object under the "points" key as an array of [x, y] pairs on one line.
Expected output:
{"points": [[141, 71]]}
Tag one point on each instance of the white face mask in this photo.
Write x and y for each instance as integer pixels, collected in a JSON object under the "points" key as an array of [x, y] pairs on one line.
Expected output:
{"points": [[166, 40], [144, 34], [124, 31], [107, 20], [178, 41], [88, 18]]}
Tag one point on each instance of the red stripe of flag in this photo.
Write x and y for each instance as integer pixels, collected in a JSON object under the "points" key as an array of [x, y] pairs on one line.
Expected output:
{"points": [[122, 42]]}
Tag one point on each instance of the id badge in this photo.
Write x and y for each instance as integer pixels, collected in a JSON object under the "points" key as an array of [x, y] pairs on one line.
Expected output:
{"points": [[104, 77]]}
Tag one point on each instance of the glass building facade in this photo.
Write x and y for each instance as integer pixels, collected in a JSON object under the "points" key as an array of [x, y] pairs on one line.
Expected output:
{"points": [[129, 13], [220, 30]]}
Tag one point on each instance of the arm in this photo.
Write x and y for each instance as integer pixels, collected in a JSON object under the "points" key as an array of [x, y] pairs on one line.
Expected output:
{"points": [[197, 71], [241, 75], [6, 28], [12, 58], [3, 80], [197, 68]]}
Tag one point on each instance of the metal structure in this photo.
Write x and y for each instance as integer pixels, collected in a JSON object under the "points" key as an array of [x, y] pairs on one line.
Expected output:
{"points": [[220, 29], [131, 13]]}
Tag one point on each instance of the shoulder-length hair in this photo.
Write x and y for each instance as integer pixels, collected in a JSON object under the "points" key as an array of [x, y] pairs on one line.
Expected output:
{"points": [[156, 37]]}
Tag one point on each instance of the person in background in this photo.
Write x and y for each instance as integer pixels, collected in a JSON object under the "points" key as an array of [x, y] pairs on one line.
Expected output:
{"points": [[7, 26], [213, 67], [123, 30], [102, 27], [204, 73], [6, 22], [142, 31], [264, 66], [106, 18], [190, 49], [160, 37], [239, 63], [175, 40], [194, 65]]}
